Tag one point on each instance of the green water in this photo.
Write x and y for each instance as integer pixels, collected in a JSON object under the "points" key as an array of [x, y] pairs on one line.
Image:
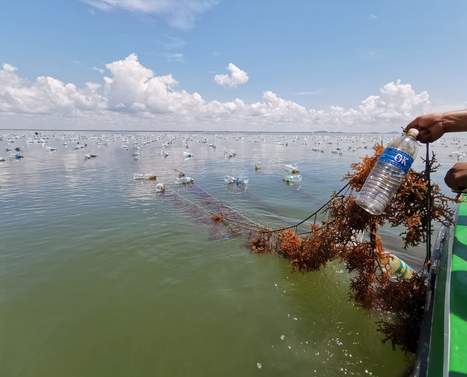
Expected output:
{"points": [[100, 276]]}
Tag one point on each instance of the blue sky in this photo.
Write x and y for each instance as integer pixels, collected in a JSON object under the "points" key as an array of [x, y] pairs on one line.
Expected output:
{"points": [[316, 54]]}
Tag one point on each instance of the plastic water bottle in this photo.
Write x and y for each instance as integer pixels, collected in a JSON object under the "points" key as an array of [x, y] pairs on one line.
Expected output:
{"points": [[388, 173], [292, 179]]}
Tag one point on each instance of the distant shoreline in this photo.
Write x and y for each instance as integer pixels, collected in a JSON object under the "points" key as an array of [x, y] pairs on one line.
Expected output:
{"points": [[202, 132]]}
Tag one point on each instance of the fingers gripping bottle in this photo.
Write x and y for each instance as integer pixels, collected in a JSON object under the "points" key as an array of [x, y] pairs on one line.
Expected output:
{"points": [[388, 173]]}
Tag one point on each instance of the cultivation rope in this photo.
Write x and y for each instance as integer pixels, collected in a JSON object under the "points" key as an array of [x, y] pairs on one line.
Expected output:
{"points": [[429, 203], [225, 209], [240, 221], [314, 214]]}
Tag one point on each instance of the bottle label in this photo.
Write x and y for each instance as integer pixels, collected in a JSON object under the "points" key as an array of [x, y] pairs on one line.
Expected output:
{"points": [[397, 158]]}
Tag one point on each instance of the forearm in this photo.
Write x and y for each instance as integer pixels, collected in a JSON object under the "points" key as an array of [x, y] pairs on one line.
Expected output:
{"points": [[455, 121]]}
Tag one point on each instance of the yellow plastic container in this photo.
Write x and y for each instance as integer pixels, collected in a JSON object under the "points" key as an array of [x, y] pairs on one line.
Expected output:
{"points": [[397, 267]]}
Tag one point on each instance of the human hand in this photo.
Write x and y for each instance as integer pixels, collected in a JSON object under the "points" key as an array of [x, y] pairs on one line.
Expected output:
{"points": [[456, 177], [430, 127]]}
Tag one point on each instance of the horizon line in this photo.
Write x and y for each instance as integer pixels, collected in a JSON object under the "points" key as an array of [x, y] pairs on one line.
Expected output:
{"points": [[201, 131]]}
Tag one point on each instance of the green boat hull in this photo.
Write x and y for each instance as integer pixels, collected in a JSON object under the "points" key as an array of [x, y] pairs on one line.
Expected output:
{"points": [[443, 343]]}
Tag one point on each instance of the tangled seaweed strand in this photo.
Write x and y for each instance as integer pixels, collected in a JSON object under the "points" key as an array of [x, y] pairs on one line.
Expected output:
{"points": [[403, 301], [262, 243], [217, 218], [409, 207], [350, 234]]}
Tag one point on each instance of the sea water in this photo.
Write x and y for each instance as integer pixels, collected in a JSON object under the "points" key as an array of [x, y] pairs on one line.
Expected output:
{"points": [[102, 276]]}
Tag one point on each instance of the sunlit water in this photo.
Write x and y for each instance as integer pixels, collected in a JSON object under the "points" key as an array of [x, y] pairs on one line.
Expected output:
{"points": [[101, 276]]}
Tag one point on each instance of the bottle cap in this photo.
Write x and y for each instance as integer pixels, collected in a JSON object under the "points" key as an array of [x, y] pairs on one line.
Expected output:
{"points": [[413, 132]]}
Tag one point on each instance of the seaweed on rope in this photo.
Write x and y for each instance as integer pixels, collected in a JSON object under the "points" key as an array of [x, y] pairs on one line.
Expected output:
{"points": [[349, 234], [341, 237]]}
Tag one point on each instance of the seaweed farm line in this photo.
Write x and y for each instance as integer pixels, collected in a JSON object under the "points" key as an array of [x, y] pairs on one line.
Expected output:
{"points": [[103, 276]]}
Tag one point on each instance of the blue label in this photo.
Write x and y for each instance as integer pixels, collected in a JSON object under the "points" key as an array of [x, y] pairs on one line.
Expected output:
{"points": [[397, 158]]}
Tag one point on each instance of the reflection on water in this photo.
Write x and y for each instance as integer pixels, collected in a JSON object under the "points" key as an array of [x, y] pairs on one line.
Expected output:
{"points": [[102, 276]]}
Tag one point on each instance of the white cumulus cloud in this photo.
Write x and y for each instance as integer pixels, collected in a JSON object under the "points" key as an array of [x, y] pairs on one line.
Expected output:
{"points": [[135, 88], [130, 90], [46, 95], [233, 78], [396, 100], [181, 14]]}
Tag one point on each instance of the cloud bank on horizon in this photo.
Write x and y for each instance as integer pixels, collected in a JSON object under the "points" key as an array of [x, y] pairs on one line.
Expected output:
{"points": [[133, 91]]}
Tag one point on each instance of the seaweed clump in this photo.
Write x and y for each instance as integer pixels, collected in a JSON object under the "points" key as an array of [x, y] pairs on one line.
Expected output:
{"points": [[217, 218], [350, 234]]}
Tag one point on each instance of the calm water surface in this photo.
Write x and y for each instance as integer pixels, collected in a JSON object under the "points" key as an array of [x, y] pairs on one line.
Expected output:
{"points": [[100, 276]]}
